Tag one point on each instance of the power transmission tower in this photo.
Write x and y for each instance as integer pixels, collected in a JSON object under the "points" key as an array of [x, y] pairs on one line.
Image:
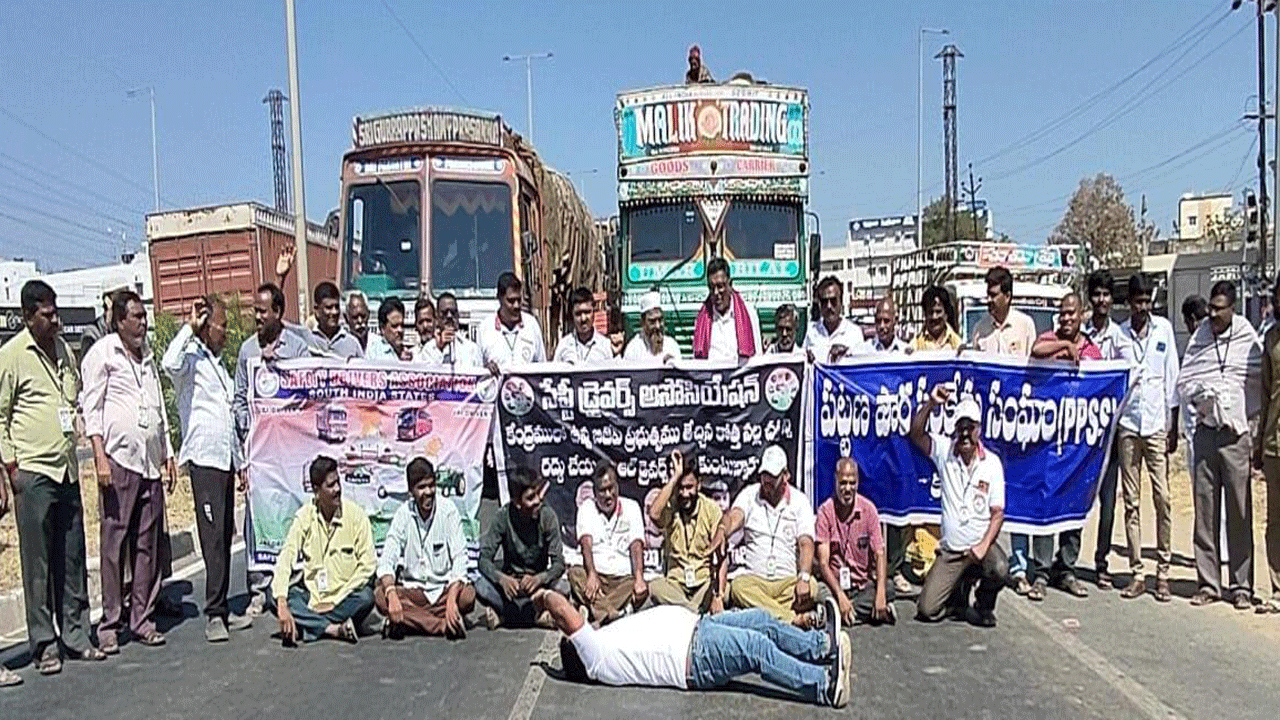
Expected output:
{"points": [[949, 55], [972, 191], [279, 161]]}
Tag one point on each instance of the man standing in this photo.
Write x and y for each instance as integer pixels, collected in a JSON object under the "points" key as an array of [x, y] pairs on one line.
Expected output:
{"points": [[448, 346], [357, 317], [784, 330], [424, 321], [388, 344], [938, 333], [697, 73], [1070, 343], [101, 327], [851, 555], [972, 513], [776, 521], [687, 519], [611, 537], [1194, 310], [832, 336], [652, 343], [1004, 330], [528, 532], [422, 573], [1147, 433], [1221, 380], [585, 345], [210, 450], [38, 388], [330, 338], [1267, 450], [333, 537], [125, 420], [726, 329], [512, 336], [887, 340]]}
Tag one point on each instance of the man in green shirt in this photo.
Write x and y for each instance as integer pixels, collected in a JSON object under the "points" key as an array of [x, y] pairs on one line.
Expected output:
{"points": [[335, 541], [528, 532], [38, 388]]}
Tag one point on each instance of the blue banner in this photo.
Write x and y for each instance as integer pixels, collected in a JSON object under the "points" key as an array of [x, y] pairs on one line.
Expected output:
{"points": [[1050, 422]]}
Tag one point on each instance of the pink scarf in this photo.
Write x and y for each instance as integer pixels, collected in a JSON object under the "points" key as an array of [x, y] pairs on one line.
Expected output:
{"points": [[741, 325]]}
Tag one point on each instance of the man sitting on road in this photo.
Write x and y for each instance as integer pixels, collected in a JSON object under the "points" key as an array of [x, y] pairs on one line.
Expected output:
{"points": [[850, 549], [776, 549], [972, 513], [335, 541], [422, 574], [687, 519], [671, 646], [528, 532], [611, 538]]}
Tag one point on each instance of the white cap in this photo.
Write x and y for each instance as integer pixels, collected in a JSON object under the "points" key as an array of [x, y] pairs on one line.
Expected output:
{"points": [[774, 460], [968, 409], [650, 301]]}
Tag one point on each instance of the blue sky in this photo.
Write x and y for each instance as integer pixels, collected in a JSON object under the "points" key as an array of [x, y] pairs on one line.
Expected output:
{"points": [[75, 162]]}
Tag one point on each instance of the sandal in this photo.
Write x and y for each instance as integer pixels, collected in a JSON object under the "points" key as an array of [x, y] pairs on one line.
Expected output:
{"points": [[1036, 592], [347, 632], [92, 654], [1162, 591], [50, 662], [1270, 607], [1202, 598], [9, 678], [153, 638], [110, 646]]}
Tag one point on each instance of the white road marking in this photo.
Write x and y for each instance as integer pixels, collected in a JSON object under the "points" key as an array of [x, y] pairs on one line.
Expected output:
{"points": [[528, 697]]}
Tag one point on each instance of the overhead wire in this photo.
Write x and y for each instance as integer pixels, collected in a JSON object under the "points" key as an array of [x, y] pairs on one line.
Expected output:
{"points": [[413, 39], [7, 162]]}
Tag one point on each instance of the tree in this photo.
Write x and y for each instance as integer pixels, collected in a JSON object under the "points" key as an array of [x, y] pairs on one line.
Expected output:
{"points": [[1100, 221], [934, 228]]}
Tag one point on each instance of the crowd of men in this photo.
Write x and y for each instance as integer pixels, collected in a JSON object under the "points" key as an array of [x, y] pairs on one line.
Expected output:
{"points": [[765, 586]]}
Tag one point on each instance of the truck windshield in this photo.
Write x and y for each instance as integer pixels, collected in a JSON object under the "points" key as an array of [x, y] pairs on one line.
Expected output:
{"points": [[472, 240], [382, 247], [663, 232], [762, 230]]}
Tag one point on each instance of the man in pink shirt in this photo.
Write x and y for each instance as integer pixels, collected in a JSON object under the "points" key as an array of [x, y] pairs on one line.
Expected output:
{"points": [[850, 549]]}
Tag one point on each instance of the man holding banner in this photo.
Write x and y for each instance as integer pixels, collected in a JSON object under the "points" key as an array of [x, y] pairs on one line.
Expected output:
{"points": [[585, 345], [832, 336], [652, 343]]}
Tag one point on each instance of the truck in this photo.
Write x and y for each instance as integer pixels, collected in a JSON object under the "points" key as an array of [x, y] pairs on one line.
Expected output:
{"points": [[1041, 274], [714, 171], [439, 199]]}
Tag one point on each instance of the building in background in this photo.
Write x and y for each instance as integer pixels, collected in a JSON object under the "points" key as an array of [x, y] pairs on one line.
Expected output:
{"points": [[1198, 213], [79, 291], [862, 263]]}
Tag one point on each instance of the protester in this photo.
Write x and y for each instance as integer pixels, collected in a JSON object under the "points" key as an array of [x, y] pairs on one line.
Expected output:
{"points": [[330, 338], [652, 342], [1148, 435], [388, 344], [448, 346], [887, 340], [610, 533], [785, 320], [851, 555], [424, 321], [210, 451], [727, 328], [618, 330], [422, 572], [333, 537], [1194, 310], [776, 521], [126, 421], [897, 537], [972, 480], [1004, 330], [939, 322], [102, 326], [1267, 449], [528, 533], [832, 337], [512, 336], [38, 388], [697, 73], [585, 345], [687, 520], [357, 317], [271, 342], [1221, 379]]}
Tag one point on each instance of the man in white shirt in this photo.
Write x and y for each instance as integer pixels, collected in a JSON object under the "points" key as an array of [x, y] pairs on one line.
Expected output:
{"points": [[671, 646], [1004, 330], [585, 345], [422, 572], [388, 344], [652, 343], [424, 320], [784, 330], [126, 421], [210, 450], [356, 316], [887, 340], [611, 537], [972, 479], [448, 346], [1148, 434], [726, 329], [775, 556], [833, 336], [511, 336]]}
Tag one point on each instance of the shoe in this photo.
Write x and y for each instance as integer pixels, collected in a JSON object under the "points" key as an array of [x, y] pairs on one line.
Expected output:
{"points": [[257, 606], [1104, 580], [1243, 601], [958, 613], [831, 626], [9, 678], [237, 623], [901, 586], [215, 630], [1135, 589], [838, 674], [1270, 607], [155, 638], [982, 618], [1074, 587], [1162, 591], [1202, 598], [1037, 591], [1022, 587]]}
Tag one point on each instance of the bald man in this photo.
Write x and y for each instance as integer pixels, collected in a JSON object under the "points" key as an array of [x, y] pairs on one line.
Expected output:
{"points": [[899, 537], [851, 556], [887, 339]]}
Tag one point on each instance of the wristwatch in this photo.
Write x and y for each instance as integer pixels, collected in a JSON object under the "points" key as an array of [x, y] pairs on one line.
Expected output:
{"points": [[804, 577]]}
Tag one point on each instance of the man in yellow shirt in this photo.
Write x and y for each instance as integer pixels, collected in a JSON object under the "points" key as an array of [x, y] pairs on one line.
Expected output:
{"points": [[687, 519], [335, 542]]}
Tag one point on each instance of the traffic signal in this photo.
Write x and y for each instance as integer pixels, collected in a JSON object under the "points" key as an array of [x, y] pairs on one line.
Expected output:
{"points": [[1251, 219]]}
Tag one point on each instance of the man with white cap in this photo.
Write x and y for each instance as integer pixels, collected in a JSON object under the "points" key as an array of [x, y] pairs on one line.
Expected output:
{"points": [[775, 555], [972, 513], [651, 343]]}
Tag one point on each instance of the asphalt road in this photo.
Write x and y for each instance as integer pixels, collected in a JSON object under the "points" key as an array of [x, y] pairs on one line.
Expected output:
{"points": [[1065, 658]]}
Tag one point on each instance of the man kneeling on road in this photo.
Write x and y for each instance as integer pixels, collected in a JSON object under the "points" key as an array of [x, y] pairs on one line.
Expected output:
{"points": [[422, 574], [850, 549], [528, 532], [672, 646], [972, 513], [335, 542], [687, 519], [611, 537]]}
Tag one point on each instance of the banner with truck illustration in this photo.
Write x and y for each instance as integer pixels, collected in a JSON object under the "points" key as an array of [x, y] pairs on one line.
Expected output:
{"points": [[372, 418]]}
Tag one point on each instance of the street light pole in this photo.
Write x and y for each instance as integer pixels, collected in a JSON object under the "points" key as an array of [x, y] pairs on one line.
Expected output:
{"points": [[295, 136], [155, 161], [920, 122], [528, 59]]}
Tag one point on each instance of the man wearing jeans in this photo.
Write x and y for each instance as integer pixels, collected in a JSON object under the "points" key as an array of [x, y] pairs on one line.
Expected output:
{"points": [[671, 646]]}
